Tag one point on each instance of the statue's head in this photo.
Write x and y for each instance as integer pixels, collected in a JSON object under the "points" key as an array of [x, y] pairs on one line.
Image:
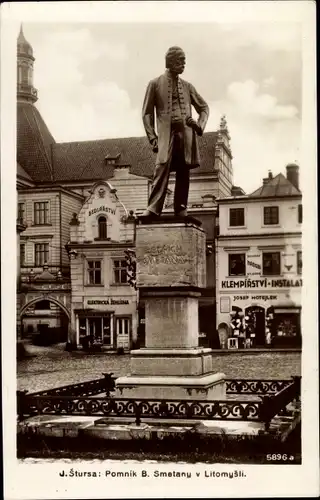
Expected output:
{"points": [[175, 60]]}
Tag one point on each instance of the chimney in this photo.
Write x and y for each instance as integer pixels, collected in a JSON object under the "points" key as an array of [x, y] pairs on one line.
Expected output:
{"points": [[121, 171], [265, 180], [270, 176], [293, 174]]}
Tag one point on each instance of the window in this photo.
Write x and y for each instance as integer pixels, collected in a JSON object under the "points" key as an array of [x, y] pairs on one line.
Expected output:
{"points": [[41, 254], [42, 305], [24, 72], [21, 214], [98, 328], [270, 215], [102, 228], [94, 272], [237, 264], [300, 214], [41, 212], [236, 217], [22, 254], [271, 263], [120, 271], [122, 326], [299, 262]]}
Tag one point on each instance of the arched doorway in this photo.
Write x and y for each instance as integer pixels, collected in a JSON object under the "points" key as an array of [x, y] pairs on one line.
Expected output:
{"points": [[45, 321], [257, 318]]}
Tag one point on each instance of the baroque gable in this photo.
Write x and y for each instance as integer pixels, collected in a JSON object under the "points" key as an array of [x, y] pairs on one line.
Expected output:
{"points": [[100, 218]]}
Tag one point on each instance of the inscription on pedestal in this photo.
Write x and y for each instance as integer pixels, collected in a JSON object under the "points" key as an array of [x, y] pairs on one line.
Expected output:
{"points": [[170, 255]]}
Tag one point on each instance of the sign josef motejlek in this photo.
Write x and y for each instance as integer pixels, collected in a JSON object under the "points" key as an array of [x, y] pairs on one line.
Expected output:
{"points": [[171, 272]]}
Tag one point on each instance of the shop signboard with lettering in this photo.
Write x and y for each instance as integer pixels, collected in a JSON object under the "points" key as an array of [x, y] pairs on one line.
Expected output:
{"points": [[253, 265], [261, 283], [108, 301]]}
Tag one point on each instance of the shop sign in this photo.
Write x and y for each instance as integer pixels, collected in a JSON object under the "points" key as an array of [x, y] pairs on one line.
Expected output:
{"points": [[255, 297], [103, 208], [262, 283], [253, 264], [108, 302]]}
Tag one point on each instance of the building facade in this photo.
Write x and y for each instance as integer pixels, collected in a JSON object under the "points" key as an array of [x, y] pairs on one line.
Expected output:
{"points": [[104, 307], [259, 265]]}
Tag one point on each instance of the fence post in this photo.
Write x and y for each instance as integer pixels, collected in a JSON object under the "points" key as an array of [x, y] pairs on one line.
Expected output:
{"points": [[21, 404], [265, 411], [109, 383], [297, 383], [138, 413]]}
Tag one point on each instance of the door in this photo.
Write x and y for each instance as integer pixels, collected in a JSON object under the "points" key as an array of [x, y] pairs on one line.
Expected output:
{"points": [[95, 329], [123, 327], [257, 318], [107, 331]]}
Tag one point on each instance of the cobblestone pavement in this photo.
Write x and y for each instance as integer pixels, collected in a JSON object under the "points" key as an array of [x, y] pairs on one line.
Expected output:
{"points": [[53, 366]]}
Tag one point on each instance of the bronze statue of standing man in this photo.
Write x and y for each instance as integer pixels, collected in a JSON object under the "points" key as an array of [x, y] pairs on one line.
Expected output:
{"points": [[175, 141]]}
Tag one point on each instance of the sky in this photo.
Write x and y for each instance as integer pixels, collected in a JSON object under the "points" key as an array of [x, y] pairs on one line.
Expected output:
{"points": [[91, 79]]}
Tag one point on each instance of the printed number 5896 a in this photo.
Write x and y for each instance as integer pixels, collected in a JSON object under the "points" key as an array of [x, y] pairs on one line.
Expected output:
{"points": [[279, 456]]}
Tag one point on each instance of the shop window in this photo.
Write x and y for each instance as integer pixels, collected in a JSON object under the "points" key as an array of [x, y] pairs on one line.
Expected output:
{"points": [[300, 214], [95, 330], [287, 325], [106, 328], [237, 264], [271, 263], [21, 212], [41, 254], [122, 326], [236, 217], [82, 329], [270, 216], [22, 254], [94, 272], [120, 271], [102, 228], [41, 212], [299, 262]]}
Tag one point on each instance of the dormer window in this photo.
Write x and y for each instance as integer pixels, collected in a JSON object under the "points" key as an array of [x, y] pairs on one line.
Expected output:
{"points": [[102, 227], [112, 160]]}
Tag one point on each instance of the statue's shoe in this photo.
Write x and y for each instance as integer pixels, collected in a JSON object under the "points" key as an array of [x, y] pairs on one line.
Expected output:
{"points": [[150, 215], [182, 213]]}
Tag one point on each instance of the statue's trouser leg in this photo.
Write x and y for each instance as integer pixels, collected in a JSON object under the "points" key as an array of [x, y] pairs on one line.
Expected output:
{"points": [[160, 181], [159, 187], [181, 190]]}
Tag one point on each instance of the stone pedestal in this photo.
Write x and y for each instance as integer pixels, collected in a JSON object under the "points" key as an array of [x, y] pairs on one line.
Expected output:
{"points": [[170, 275]]}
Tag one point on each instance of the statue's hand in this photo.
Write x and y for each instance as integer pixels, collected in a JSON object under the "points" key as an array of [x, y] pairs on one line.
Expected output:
{"points": [[154, 144], [193, 124]]}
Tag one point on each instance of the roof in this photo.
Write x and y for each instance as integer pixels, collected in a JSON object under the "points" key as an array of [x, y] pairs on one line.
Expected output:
{"points": [[45, 275], [22, 173], [24, 46], [33, 142], [277, 186], [78, 161]]}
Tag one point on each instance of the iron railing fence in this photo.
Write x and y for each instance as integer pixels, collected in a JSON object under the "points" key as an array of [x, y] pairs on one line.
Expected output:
{"points": [[140, 408], [84, 389], [76, 400], [254, 386], [107, 383], [277, 404]]}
